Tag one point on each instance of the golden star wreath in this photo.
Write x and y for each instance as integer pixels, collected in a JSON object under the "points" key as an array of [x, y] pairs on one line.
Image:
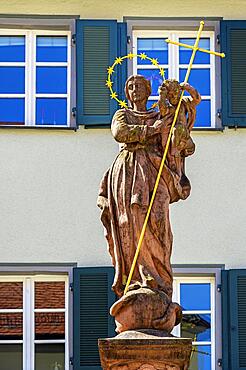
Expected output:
{"points": [[119, 60]]}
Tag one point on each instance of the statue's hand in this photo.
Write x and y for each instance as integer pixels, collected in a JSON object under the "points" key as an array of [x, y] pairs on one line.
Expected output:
{"points": [[184, 85], [159, 125]]}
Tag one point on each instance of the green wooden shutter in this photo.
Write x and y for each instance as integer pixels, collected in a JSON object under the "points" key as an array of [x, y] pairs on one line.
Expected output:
{"points": [[98, 43], [225, 320], [234, 319], [92, 299], [122, 50], [233, 79]]}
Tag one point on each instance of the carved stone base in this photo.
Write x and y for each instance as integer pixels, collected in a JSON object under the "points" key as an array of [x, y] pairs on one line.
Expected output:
{"points": [[145, 350], [145, 308]]}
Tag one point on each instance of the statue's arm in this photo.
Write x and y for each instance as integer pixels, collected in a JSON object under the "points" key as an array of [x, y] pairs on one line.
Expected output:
{"points": [[196, 97], [124, 132]]}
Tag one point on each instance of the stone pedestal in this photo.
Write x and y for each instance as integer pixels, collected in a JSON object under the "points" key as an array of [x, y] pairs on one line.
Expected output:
{"points": [[145, 350]]}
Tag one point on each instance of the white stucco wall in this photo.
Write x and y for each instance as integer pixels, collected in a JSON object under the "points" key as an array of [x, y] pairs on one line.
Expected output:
{"points": [[116, 9], [48, 190], [49, 179]]}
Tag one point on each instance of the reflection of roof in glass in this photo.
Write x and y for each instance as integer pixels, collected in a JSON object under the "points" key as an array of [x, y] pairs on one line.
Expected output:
{"points": [[195, 323]]}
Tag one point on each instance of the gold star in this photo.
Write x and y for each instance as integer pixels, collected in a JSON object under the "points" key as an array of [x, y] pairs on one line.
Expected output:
{"points": [[130, 56], [113, 95], [118, 60], [154, 61], [110, 70], [109, 83], [123, 104], [162, 72], [154, 105], [143, 56]]}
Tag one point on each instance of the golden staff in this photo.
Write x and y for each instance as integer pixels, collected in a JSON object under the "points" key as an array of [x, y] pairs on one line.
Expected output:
{"points": [[194, 50], [222, 55]]}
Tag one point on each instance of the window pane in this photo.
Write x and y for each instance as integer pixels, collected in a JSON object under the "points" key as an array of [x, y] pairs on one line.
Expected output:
{"points": [[12, 80], [51, 111], [50, 325], [195, 296], [12, 48], [199, 78], [200, 57], [197, 327], [12, 111], [153, 48], [203, 114], [51, 49], [49, 356], [11, 295], [51, 80], [11, 356], [50, 294], [201, 358], [155, 78], [11, 326], [150, 103]]}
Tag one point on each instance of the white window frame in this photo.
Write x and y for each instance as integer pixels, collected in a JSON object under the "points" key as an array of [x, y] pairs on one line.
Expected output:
{"points": [[176, 298], [173, 59], [30, 65], [29, 310]]}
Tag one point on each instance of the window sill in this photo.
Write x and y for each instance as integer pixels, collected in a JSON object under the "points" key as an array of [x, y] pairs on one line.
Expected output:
{"points": [[23, 127], [208, 129]]}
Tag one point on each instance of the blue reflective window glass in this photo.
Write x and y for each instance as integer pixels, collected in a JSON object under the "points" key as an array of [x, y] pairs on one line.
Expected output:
{"points": [[194, 296], [153, 48], [197, 327], [199, 78], [12, 48], [150, 103], [201, 358], [51, 111], [51, 49], [200, 57], [12, 110], [203, 114], [12, 80], [155, 78], [51, 80]]}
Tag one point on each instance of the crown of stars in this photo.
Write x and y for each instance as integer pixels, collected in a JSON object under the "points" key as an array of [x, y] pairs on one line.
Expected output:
{"points": [[109, 83], [118, 61], [110, 70]]}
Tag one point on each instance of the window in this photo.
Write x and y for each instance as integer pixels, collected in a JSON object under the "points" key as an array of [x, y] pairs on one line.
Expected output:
{"points": [[175, 60], [197, 298], [35, 78], [34, 322]]}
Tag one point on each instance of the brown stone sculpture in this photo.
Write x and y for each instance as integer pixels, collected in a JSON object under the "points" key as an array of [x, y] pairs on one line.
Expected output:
{"points": [[124, 197]]}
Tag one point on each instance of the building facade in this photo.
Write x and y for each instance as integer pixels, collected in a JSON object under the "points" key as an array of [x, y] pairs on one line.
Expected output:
{"points": [[55, 145]]}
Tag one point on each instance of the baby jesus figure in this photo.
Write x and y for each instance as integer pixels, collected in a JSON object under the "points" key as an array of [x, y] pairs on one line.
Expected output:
{"points": [[181, 145]]}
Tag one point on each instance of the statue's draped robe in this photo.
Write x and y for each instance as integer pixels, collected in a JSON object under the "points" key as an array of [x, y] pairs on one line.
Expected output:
{"points": [[124, 197]]}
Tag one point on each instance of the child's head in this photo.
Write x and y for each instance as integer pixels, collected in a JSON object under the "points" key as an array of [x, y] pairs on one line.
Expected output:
{"points": [[173, 90]]}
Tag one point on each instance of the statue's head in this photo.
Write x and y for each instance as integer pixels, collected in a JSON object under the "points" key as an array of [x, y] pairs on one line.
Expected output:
{"points": [[173, 90], [137, 89]]}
